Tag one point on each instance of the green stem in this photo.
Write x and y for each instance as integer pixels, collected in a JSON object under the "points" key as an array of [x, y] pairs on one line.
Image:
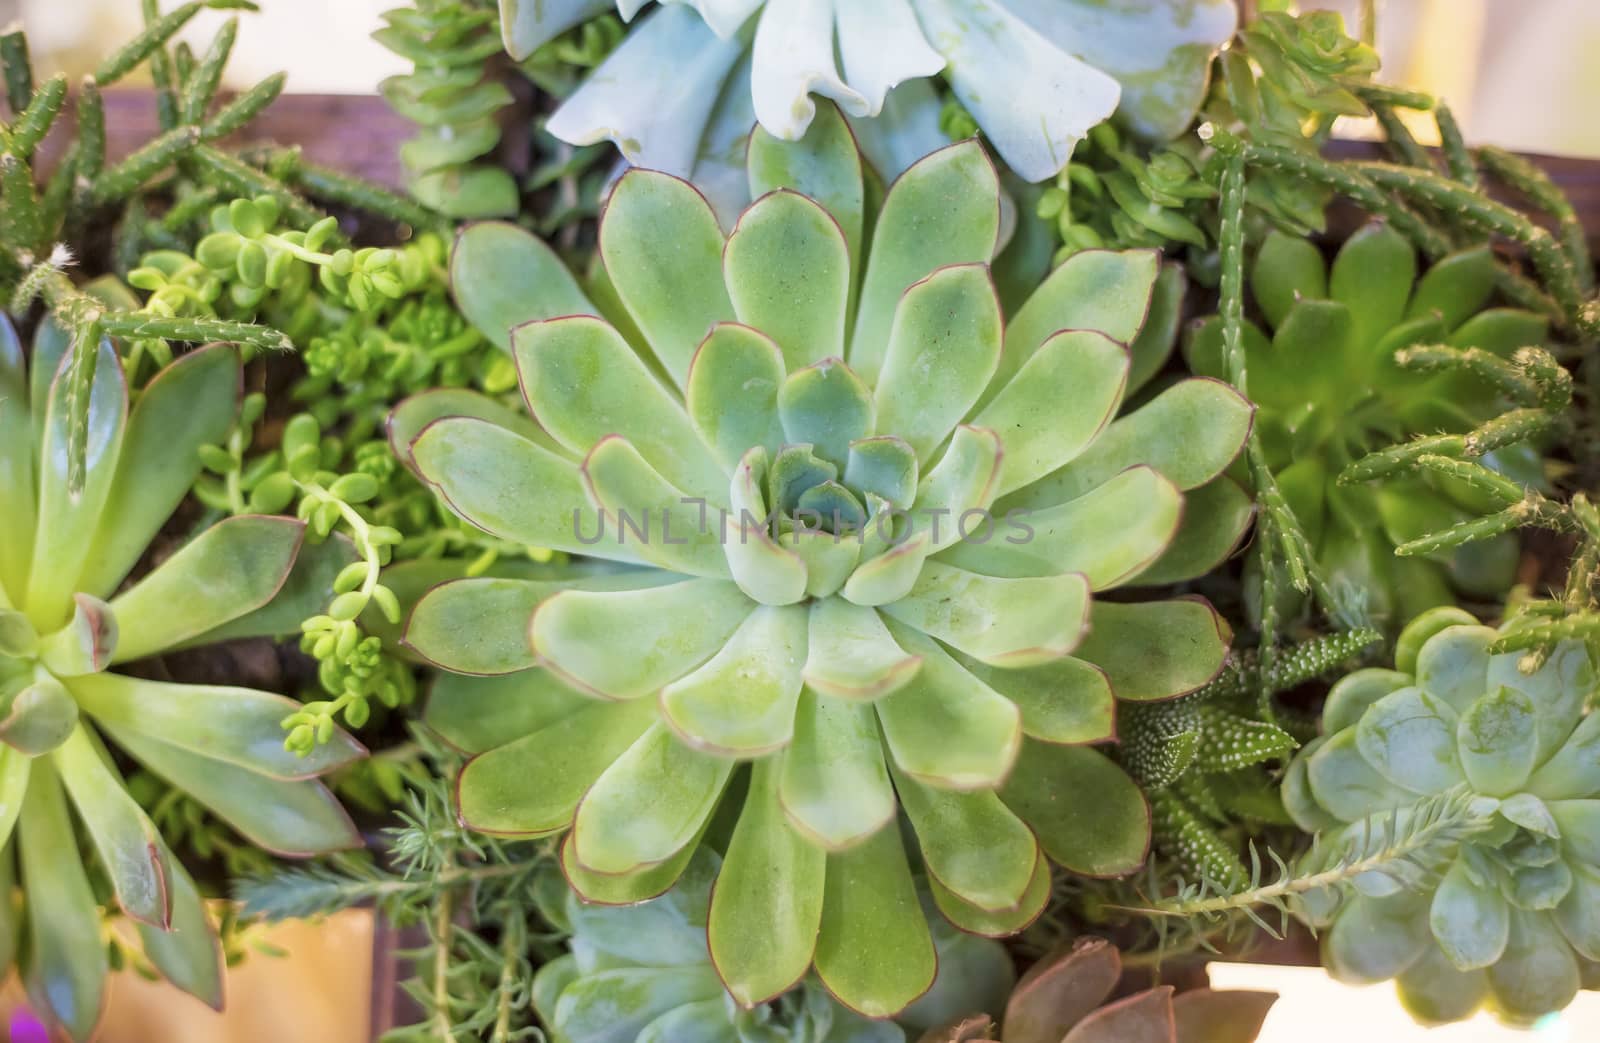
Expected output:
{"points": [[18, 69], [1456, 154]]}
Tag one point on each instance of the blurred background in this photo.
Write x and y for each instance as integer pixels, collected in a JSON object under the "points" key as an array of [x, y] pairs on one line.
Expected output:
{"points": [[1519, 73]]}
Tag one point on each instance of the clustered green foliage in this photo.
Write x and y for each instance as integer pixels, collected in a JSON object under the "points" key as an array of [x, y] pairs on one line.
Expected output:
{"points": [[733, 730]]}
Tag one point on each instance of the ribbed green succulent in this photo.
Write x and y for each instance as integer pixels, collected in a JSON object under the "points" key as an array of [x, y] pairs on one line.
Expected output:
{"points": [[641, 974], [1330, 389], [1509, 912], [66, 622], [856, 519]]}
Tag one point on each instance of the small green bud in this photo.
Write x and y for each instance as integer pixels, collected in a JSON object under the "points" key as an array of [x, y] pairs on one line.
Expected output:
{"points": [[247, 219], [388, 604], [348, 606]]}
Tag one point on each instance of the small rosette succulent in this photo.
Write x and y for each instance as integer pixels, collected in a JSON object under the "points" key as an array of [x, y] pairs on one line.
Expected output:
{"points": [[1035, 74], [1510, 914], [641, 973], [68, 620], [1329, 390], [857, 521], [1067, 998]]}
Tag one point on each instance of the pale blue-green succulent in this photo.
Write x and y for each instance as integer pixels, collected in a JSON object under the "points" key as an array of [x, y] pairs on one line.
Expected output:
{"points": [[912, 630], [69, 618], [1507, 912], [1036, 74]]}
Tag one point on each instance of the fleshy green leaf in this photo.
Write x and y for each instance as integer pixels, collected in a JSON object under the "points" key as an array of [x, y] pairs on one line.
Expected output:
{"points": [[189, 955], [475, 714], [850, 653], [1288, 269], [1372, 276], [788, 269], [583, 382], [1469, 918], [827, 407], [973, 920], [240, 726], [17, 488], [68, 521], [941, 352], [874, 952], [1346, 785], [503, 277], [295, 818], [1498, 737], [742, 700], [189, 404], [1000, 621], [1216, 517], [413, 415], [67, 955], [127, 842], [532, 784], [732, 393], [1455, 287], [671, 529], [513, 488], [230, 569], [1350, 696], [627, 644], [1056, 405], [766, 907], [824, 165], [1087, 813], [1110, 533], [648, 805], [1410, 738], [1538, 973], [1375, 939], [1190, 433], [1156, 650], [971, 843], [946, 727], [955, 191], [663, 249], [834, 787]]}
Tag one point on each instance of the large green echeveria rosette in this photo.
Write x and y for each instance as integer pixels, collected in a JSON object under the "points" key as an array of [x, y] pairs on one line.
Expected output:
{"points": [[1329, 390], [1509, 915], [69, 619], [912, 633]]}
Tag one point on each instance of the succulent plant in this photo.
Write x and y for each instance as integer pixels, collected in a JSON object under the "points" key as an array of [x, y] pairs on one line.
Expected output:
{"points": [[849, 397], [1064, 999], [1035, 75], [67, 619], [642, 973], [1332, 384], [1507, 912], [449, 95]]}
